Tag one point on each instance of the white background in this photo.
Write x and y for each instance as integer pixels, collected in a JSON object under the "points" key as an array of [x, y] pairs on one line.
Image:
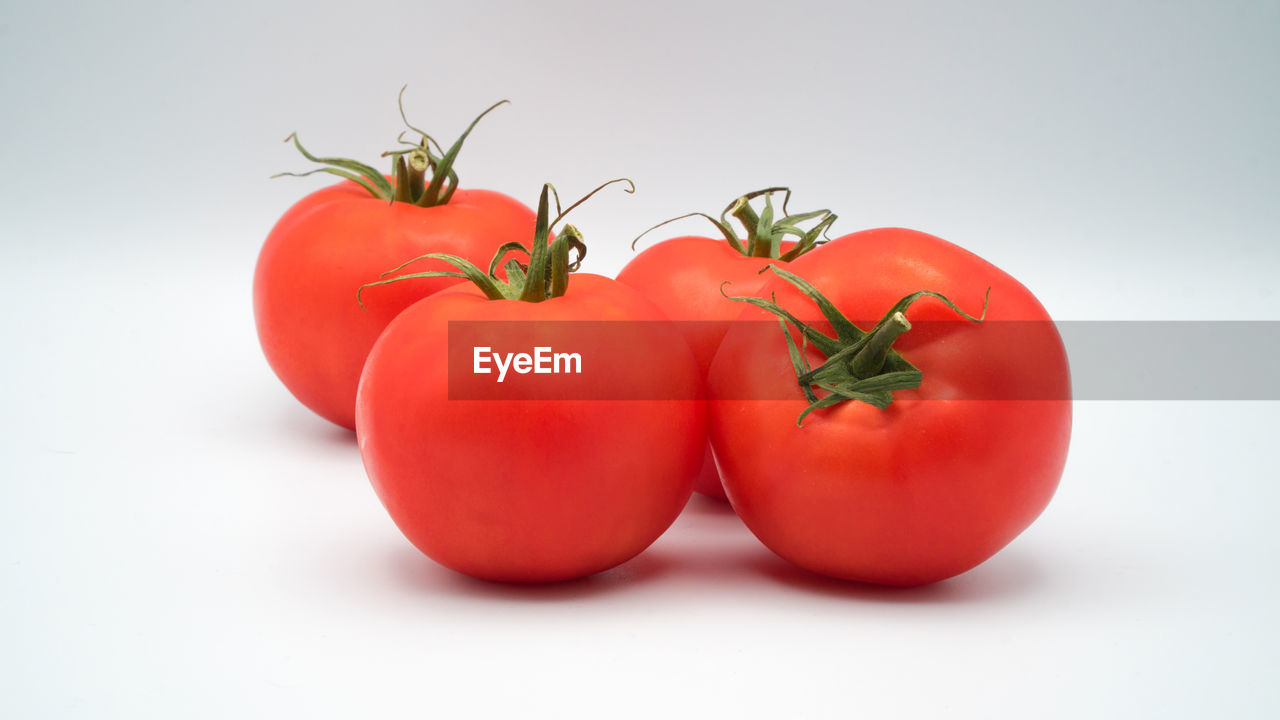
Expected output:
{"points": [[179, 538]]}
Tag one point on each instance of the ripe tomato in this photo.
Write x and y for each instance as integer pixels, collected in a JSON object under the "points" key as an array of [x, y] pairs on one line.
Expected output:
{"points": [[685, 276], [940, 479], [331, 242], [552, 477]]}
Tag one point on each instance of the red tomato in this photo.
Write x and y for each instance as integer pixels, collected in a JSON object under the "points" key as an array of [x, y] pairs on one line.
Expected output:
{"points": [[948, 473], [684, 276], [520, 487], [313, 333]]}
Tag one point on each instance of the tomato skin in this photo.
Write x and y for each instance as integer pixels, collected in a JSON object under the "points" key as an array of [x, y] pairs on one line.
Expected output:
{"points": [[314, 334], [943, 478], [683, 277], [524, 490]]}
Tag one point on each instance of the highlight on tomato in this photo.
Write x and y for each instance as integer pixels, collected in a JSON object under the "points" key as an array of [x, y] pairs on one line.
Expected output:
{"points": [[683, 276], [514, 475], [314, 335], [899, 451]]}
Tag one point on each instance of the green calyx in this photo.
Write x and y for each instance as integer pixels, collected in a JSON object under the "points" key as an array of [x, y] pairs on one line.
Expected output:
{"points": [[861, 366], [423, 173], [764, 232], [544, 276]]}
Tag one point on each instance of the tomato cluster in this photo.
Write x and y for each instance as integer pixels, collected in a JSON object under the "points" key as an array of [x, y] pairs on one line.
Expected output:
{"points": [[881, 407]]}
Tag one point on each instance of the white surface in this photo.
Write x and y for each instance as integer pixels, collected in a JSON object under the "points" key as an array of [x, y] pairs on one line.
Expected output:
{"points": [[179, 538]]}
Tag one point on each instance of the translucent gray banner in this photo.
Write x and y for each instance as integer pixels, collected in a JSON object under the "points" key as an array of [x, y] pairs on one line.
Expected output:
{"points": [[1173, 360], [1109, 360]]}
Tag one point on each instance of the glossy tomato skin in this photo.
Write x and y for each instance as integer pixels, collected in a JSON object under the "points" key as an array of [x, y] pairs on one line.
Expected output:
{"points": [[524, 490], [314, 334], [946, 476], [683, 276]]}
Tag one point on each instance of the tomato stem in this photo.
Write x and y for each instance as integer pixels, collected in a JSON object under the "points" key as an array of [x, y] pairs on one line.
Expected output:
{"points": [[860, 365], [545, 276], [870, 359], [404, 184], [409, 167], [763, 233]]}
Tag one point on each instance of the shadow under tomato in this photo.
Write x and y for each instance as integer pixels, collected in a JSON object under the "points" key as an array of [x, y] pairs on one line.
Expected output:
{"points": [[1007, 575], [279, 425], [419, 573], [311, 428], [703, 506]]}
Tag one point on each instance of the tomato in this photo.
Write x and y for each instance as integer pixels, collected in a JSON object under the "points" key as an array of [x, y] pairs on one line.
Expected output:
{"points": [[948, 472], [546, 477], [313, 333], [687, 277]]}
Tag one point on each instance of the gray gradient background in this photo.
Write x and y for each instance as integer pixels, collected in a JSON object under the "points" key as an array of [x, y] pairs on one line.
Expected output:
{"points": [[179, 538]]}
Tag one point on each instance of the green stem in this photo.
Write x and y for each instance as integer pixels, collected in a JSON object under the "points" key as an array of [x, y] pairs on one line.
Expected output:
{"points": [[548, 269], [419, 162], [437, 193], [750, 220], [535, 286], [567, 240], [763, 232], [411, 184], [860, 366], [870, 359], [404, 191]]}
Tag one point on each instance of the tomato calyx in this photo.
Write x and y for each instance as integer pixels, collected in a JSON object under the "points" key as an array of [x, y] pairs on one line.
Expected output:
{"points": [[860, 365], [423, 173], [764, 231], [544, 276]]}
